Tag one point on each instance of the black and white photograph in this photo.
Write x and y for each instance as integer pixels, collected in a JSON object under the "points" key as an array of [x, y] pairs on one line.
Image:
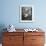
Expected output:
{"points": [[26, 13]]}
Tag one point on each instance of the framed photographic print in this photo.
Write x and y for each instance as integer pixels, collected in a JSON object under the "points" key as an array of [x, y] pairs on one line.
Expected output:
{"points": [[26, 13]]}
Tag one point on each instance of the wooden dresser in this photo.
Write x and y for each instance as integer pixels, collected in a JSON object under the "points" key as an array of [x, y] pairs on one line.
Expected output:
{"points": [[23, 38]]}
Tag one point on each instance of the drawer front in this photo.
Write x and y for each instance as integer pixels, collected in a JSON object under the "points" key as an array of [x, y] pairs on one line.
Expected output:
{"points": [[37, 45], [13, 33], [37, 39], [34, 33], [12, 44]]}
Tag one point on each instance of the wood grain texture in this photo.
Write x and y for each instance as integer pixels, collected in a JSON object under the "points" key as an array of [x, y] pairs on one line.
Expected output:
{"points": [[34, 39], [13, 39], [23, 39]]}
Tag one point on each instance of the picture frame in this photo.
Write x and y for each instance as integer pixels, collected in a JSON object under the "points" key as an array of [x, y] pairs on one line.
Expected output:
{"points": [[26, 13]]}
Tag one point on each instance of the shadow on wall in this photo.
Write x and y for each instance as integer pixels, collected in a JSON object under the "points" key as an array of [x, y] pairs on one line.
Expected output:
{"points": [[2, 26]]}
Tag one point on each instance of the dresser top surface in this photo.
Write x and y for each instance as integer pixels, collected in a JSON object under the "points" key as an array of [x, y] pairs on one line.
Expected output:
{"points": [[22, 30]]}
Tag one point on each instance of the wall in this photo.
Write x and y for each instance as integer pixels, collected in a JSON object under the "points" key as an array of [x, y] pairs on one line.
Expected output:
{"points": [[10, 13]]}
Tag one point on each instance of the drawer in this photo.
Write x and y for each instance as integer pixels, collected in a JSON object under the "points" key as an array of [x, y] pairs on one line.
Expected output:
{"points": [[13, 33], [8, 45], [12, 44], [37, 39], [37, 44], [34, 33]]}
